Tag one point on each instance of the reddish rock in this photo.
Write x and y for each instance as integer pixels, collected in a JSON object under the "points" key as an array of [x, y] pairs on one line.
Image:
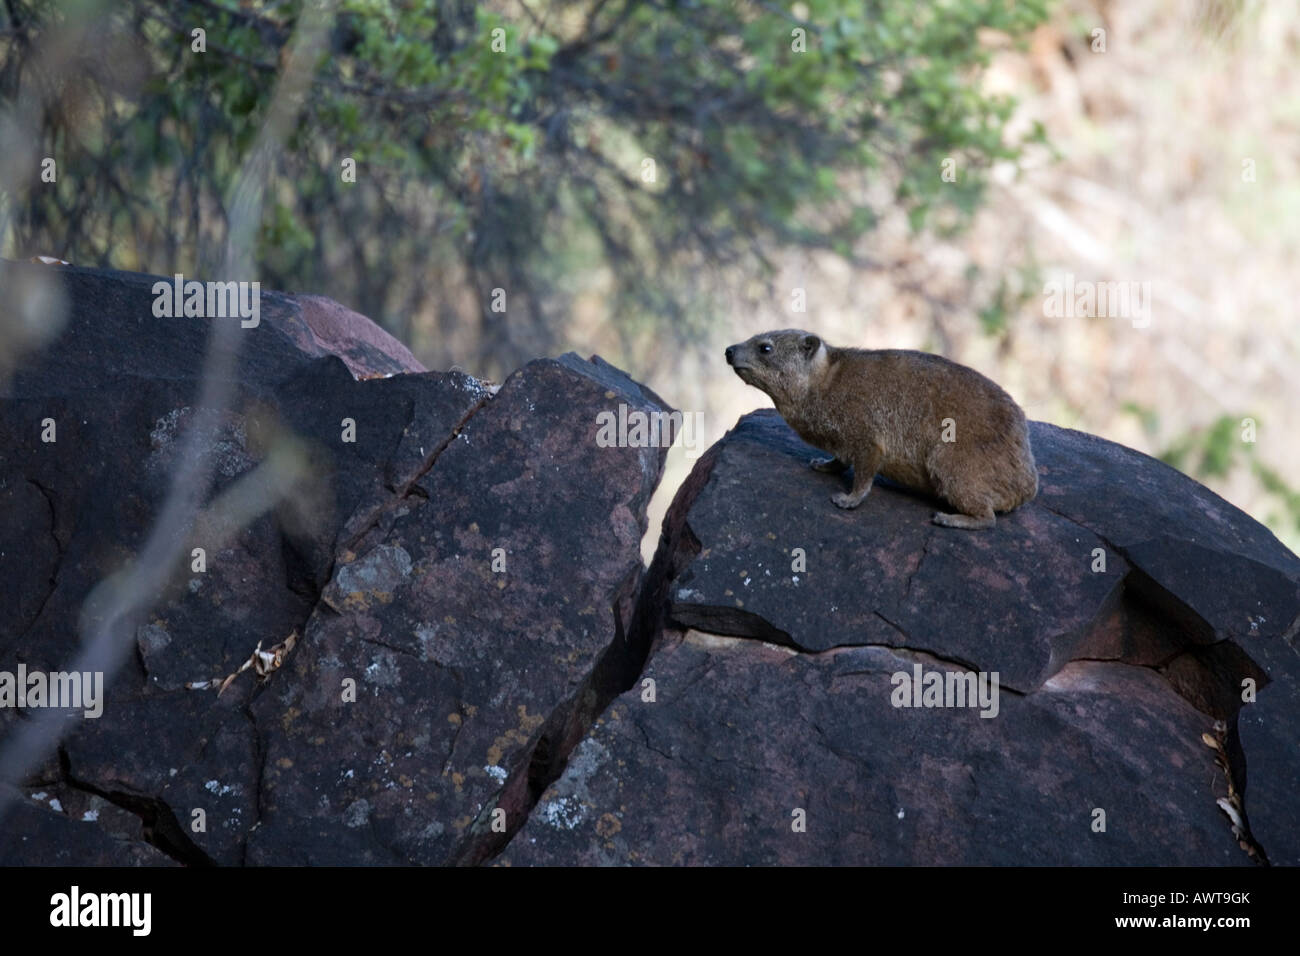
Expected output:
{"points": [[334, 329]]}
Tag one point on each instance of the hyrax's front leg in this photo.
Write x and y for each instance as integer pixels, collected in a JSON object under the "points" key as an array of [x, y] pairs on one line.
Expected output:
{"points": [[865, 465]]}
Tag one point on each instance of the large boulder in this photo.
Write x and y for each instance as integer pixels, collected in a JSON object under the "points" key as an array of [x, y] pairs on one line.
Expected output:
{"points": [[454, 575], [471, 612], [1128, 612]]}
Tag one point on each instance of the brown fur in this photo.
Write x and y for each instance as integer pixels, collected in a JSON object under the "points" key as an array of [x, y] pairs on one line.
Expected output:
{"points": [[882, 412]]}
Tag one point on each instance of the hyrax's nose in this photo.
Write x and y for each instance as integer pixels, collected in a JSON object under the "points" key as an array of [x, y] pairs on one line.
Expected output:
{"points": [[731, 354]]}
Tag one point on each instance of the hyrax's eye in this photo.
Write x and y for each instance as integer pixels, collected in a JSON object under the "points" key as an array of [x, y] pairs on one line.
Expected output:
{"points": [[765, 348]]}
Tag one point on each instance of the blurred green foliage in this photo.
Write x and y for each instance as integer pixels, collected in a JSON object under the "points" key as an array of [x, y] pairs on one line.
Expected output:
{"points": [[506, 144]]}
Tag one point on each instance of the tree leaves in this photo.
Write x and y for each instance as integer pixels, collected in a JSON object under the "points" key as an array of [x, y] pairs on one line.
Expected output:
{"points": [[524, 129]]}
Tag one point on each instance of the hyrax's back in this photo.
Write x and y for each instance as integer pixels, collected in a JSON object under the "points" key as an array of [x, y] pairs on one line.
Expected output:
{"points": [[918, 419], [944, 428]]}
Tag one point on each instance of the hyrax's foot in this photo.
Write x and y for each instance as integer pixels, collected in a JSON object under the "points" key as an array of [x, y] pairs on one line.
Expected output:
{"points": [[847, 501], [969, 522], [832, 465]]}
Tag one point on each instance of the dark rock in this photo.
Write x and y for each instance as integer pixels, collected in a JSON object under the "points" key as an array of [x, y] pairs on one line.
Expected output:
{"points": [[743, 734], [439, 707], [381, 562], [464, 676], [43, 831], [883, 575], [1110, 678]]}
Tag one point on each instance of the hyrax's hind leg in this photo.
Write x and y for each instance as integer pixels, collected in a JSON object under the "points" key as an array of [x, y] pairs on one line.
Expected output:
{"points": [[831, 465], [956, 479], [969, 522]]}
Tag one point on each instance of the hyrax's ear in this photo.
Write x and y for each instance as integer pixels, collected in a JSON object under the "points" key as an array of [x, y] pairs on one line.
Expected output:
{"points": [[810, 345]]}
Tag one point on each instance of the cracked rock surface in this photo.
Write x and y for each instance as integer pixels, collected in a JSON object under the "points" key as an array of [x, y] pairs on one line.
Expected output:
{"points": [[117, 383], [485, 672], [465, 675], [783, 620], [457, 677]]}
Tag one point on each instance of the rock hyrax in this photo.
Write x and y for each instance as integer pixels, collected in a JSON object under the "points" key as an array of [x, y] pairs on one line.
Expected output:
{"points": [[918, 419]]}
